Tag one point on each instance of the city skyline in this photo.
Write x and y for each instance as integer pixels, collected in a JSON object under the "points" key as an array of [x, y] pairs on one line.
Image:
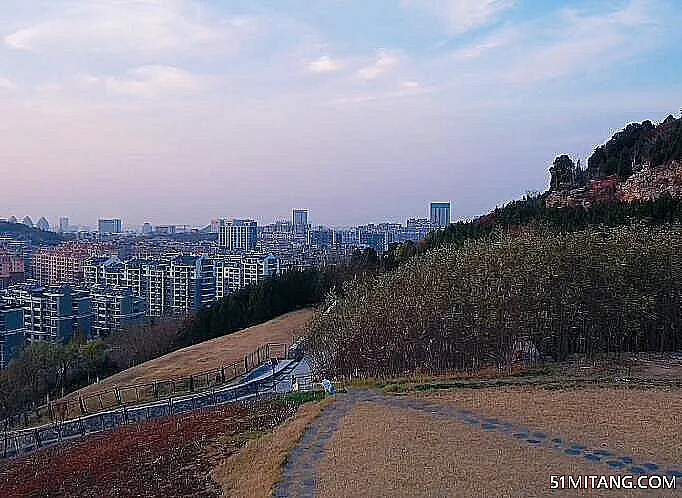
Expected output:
{"points": [[126, 225], [182, 111]]}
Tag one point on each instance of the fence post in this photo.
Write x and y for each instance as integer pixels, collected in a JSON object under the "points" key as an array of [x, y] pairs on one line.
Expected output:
{"points": [[82, 405], [246, 364], [222, 374], [50, 411], [36, 435], [117, 393], [156, 390], [191, 383]]}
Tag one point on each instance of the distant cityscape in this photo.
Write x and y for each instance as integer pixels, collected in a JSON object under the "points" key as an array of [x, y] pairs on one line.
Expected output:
{"points": [[97, 282]]}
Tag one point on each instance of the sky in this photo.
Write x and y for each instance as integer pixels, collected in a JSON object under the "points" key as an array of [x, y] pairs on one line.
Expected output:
{"points": [[179, 111]]}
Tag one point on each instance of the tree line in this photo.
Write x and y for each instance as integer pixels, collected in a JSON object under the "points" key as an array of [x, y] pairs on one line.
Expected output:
{"points": [[601, 290]]}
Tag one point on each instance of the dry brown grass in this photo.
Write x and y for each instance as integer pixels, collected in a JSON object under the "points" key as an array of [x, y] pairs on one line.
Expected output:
{"points": [[641, 423], [380, 452], [209, 355], [256, 469]]}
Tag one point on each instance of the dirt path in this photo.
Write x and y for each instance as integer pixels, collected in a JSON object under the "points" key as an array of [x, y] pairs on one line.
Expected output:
{"points": [[369, 444]]}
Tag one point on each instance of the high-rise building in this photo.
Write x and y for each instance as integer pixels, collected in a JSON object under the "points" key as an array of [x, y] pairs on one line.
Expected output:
{"points": [[109, 226], [300, 224], [12, 336], [192, 284], [238, 235], [147, 228], [63, 224], [440, 214], [300, 217]]}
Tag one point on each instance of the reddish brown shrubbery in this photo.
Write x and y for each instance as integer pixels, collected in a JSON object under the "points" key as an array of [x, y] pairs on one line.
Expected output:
{"points": [[168, 457]]}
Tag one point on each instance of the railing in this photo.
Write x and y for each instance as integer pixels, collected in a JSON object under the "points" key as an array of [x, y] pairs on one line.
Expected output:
{"points": [[13, 444], [72, 407]]}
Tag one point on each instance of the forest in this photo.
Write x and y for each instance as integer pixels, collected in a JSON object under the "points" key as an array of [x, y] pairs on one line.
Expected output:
{"points": [[600, 290]]}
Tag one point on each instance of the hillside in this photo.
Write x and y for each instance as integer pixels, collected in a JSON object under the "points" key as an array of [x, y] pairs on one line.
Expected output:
{"points": [[207, 355], [592, 291], [23, 232]]}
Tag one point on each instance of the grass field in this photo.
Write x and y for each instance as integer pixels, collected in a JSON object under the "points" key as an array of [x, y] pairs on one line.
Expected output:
{"points": [[385, 451], [641, 423], [207, 355]]}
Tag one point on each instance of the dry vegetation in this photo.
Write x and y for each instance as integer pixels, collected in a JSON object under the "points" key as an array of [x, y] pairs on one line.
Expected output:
{"points": [[208, 355], [256, 469], [584, 293], [644, 424], [164, 458], [381, 452]]}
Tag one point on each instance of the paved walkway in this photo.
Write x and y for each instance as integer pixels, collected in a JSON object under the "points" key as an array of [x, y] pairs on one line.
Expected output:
{"points": [[301, 473]]}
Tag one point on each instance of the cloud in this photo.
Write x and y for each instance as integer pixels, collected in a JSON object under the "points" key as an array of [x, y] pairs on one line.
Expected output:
{"points": [[463, 16], [586, 42], [118, 26], [6, 84], [497, 40], [402, 90], [384, 63], [324, 64], [156, 81]]}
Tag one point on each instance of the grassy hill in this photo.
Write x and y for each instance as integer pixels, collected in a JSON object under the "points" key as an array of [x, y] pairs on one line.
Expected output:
{"points": [[208, 355]]}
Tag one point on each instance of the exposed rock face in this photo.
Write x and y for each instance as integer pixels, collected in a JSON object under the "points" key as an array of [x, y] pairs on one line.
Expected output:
{"points": [[647, 184], [651, 183], [603, 190]]}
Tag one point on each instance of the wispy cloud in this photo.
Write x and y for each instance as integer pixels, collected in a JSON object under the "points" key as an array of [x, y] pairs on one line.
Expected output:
{"points": [[463, 16], [401, 90], [324, 64], [117, 26], [585, 43], [384, 63], [157, 81]]}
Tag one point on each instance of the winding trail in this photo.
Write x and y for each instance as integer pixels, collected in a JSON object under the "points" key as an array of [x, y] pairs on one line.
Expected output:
{"points": [[301, 473]]}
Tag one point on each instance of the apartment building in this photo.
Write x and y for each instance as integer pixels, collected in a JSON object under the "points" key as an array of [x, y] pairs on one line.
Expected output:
{"points": [[53, 314], [63, 264], [192, 284], [234, 271], [12, 337], [113, 308], [11, 269]]}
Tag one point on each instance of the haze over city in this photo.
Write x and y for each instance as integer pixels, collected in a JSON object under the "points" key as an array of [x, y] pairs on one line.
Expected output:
{"points": [[183, 111]]}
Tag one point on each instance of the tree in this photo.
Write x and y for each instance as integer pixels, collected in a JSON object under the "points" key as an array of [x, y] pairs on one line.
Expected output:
{"points": [[562, 171]]}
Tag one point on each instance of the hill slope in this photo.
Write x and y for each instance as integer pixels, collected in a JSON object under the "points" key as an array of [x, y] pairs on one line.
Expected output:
{"points": [[207, 355], [23, 232], [584, 292]]}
